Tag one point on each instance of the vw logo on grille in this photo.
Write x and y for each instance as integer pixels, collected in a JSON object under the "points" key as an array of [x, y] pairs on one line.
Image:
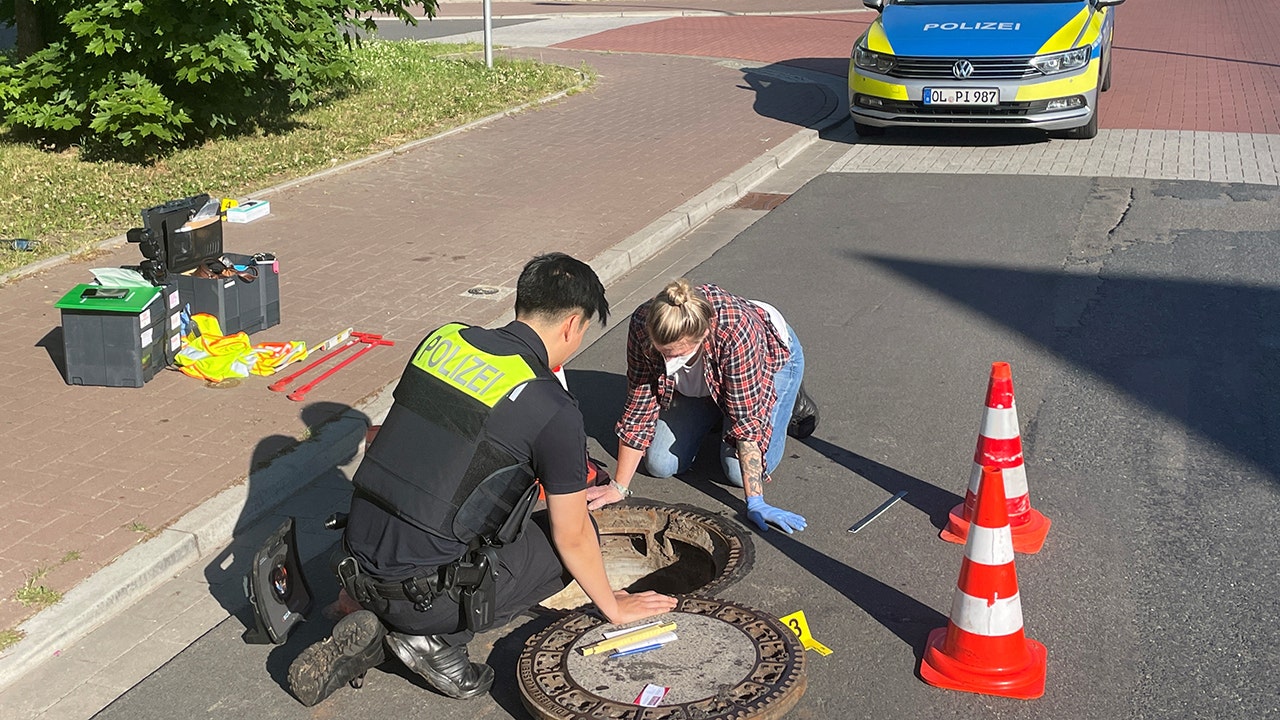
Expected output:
{"points": [[962, 69]]}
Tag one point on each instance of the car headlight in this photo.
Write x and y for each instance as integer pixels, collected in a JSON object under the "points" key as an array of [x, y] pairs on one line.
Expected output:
{"points": [[1062, 62], [874, 61]]}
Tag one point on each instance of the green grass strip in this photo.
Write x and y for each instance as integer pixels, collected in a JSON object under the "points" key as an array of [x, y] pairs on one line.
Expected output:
{"points": [[405, 91]]}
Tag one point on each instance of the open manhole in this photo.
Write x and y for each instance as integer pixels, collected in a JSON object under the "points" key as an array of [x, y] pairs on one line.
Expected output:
{"points": [[671, 549], [729, 661]]}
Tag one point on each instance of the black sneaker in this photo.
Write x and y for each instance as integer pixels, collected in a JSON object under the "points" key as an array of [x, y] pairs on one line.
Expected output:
{"points": [[344, 657], [804, 416]]}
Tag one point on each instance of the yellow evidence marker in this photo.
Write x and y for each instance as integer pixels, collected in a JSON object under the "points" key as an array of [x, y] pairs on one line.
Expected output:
{"points": [[800, 626]]}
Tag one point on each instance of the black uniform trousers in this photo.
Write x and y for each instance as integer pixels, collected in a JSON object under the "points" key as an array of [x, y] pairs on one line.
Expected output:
{"points": [[529, 571]]}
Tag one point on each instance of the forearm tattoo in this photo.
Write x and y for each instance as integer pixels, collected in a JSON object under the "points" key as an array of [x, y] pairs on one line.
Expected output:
{"points": [[752, 468]]}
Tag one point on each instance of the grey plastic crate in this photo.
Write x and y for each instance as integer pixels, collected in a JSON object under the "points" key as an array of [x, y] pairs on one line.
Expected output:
{"points": [[113, 342], [239, 306]]}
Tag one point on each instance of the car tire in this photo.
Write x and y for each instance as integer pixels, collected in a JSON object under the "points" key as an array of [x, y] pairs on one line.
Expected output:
{"points": [[1087, 131], [865, 130]]}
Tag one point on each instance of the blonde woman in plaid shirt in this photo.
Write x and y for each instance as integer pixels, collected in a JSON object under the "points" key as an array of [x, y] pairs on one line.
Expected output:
{"points": [[698, 358]]}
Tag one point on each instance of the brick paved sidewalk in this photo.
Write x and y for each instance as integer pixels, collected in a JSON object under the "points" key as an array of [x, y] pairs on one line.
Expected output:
{"points": [[509, 8], [388, 248]]}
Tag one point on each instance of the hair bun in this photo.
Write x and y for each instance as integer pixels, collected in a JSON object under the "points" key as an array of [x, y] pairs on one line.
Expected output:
{"points": [[678, 292]]}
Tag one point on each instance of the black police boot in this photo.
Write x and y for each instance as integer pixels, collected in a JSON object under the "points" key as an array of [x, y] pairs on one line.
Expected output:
{"points": [[447, 669], [343, 657], [804, 416]]}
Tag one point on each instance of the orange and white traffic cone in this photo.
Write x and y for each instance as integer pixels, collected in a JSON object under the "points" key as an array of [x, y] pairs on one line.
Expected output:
{"points": [[1000, 445], [983, 648]]}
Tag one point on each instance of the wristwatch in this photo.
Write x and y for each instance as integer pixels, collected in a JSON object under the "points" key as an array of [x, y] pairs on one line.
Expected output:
{"points": [[625, 492]]}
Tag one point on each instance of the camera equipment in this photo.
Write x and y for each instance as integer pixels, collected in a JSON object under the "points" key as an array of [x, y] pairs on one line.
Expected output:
{"points": [[276, 587]]}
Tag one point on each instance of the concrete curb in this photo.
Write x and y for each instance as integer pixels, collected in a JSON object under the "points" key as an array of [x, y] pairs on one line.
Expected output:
{"points": [[625, 256], [213, 524]]}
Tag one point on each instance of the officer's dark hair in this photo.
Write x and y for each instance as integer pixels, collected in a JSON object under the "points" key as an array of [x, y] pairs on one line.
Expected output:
{"points": [[554, 285]]}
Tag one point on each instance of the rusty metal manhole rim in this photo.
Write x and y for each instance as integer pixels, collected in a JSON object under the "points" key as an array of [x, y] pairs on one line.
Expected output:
{"points": [[737, 538]]}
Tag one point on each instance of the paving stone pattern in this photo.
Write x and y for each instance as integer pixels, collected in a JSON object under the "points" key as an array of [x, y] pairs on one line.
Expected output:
{"points": [[1170, 155]]}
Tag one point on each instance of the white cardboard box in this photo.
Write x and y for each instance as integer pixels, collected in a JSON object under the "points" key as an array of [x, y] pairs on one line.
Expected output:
{"points": [[249, 211]]}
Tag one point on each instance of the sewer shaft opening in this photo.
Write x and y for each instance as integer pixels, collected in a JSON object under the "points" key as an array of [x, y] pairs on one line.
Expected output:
{"points": [[671, 549]]}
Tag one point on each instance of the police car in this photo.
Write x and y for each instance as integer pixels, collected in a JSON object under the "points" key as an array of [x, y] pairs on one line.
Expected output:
{"points": [[983, 63]]}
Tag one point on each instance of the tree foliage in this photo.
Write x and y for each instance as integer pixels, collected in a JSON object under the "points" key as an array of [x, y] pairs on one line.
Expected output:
{"points": [[150, 74]]}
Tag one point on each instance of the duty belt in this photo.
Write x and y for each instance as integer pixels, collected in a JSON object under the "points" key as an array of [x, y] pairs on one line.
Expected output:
{"points": [[421, 590], [469, 579]]}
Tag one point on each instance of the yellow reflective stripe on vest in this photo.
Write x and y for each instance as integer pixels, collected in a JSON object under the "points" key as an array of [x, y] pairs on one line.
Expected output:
{"points": [[485, 377]]}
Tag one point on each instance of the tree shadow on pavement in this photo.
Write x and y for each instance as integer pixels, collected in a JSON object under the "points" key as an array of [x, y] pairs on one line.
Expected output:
{"points": [[792, 93], [1200, 352]]}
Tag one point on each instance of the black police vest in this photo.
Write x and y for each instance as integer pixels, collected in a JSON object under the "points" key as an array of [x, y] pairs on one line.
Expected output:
{"points": [[434, 464]]}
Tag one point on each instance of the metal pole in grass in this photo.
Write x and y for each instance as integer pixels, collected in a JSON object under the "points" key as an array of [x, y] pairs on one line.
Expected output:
{"points": [[488, 34]]}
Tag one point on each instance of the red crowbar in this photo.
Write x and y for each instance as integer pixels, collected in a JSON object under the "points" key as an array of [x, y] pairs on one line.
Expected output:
{"points": [[369, 340], [318, 348]]}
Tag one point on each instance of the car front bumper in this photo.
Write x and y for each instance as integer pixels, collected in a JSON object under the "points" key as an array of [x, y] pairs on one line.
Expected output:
{"points": [[884, 101]]}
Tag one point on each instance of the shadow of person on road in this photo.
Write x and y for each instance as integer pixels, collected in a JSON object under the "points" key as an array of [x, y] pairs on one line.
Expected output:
{"points": [[907, 618], [508, 643], [600, 397], [294, 478]]}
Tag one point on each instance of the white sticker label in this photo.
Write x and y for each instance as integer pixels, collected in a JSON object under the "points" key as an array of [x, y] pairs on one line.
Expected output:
{"points": [[175, 321], [144, 317], [651, 696], [173, 299], [146, 337], [175, 342]]}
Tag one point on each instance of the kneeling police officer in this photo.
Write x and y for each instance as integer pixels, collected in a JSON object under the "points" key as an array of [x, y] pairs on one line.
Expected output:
{"points": [[441, 540]]}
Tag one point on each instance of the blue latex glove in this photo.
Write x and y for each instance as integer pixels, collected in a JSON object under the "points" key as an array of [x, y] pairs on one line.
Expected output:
{"points": [[762, 513]]}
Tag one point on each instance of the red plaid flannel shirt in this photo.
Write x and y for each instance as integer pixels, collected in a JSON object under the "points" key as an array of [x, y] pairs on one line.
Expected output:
{"points": [[742, 354]]}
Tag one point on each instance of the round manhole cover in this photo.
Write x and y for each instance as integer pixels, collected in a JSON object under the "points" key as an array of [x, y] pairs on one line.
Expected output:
{"points": [[729, 661], [671, 549]]}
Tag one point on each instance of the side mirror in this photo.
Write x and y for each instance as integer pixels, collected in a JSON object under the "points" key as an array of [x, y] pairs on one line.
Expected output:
{"points": [[878, 5]]}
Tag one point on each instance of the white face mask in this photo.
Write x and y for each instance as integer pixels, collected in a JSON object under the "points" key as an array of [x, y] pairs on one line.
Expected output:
{"points": [[677, 364]]}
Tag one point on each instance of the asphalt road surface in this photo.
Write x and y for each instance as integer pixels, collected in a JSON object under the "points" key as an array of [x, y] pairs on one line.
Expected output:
{"points": [[1142, 322]]}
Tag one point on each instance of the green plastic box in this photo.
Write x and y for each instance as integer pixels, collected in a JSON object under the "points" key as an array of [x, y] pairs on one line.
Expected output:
{"points": [[114, 337]]}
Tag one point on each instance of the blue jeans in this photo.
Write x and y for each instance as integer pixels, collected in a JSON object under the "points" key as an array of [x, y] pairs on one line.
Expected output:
{"points": [[682, 426]]}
